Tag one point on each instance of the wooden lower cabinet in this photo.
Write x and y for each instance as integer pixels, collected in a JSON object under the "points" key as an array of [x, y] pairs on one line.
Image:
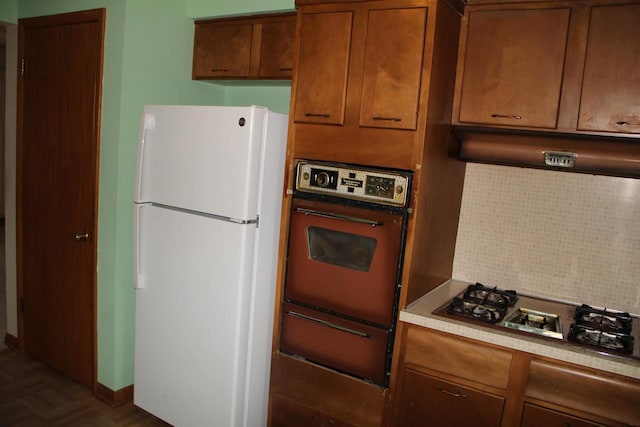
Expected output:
{"points": [[535, 416], [429, 401], [303, 394], [287, 413], [446, 380], [598, 397]]}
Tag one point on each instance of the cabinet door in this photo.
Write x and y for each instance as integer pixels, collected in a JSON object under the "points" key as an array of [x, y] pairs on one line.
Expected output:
{"points": [[323, 64], [392, 68], [535, 416], [513, 67], [429, 401], [611, 84], [276, 52], [287, 413], [222, 50]]}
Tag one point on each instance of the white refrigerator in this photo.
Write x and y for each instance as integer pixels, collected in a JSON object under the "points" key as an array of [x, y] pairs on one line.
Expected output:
{"points": [[206, 225]]}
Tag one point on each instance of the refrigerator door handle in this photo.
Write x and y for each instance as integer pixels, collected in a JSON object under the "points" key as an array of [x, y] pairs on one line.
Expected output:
{"points": [[138, 277], [148, 123]]}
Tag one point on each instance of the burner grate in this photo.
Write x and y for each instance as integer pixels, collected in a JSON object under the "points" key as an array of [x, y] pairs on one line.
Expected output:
{"points": [[604, 329], [481, 294], [606, 320], [473, 310], [612, 341]]}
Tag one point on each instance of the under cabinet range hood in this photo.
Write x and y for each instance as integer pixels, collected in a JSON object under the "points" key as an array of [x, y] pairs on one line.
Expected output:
{"points": [[563, 152]]}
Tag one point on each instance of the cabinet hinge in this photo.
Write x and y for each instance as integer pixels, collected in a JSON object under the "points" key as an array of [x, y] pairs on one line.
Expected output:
{"points": [[22, 67]]}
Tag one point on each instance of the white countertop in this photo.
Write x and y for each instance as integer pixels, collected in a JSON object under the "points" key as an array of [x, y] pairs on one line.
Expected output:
{"points": [[420, 313]]}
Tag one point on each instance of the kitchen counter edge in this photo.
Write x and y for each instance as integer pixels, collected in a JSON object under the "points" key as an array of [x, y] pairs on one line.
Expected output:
{"points": [[420, 313]]}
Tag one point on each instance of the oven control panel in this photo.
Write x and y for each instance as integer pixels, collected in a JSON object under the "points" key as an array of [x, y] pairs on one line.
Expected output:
{"points": [[354, 182]]}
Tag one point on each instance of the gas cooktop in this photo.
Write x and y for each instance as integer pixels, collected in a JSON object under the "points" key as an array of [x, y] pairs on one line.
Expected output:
{"points": [[605, 331]]}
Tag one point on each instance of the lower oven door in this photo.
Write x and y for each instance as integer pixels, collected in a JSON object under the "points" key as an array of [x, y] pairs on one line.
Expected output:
{"points": [[344, 259], [346, 346]]}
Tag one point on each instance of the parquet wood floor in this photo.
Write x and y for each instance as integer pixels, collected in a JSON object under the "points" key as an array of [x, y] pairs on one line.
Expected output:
{"points": [[32, 395]]}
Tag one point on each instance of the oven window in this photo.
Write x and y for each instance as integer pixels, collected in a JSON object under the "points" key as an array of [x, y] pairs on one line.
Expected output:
{"points": [[342, 249]]}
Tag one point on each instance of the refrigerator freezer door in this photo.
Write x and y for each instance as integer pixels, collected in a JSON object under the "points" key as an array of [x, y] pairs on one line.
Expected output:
{"points": [[192, 317], [201, 158]]}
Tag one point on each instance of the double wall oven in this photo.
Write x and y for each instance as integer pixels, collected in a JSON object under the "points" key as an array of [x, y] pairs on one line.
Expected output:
{"points": [[346, 241]]}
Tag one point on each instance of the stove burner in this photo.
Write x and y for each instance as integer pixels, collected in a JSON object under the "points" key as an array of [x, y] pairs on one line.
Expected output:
{"points": [[485, 313], [622, 343], [603, 329], [482, 295], [605, 320]]}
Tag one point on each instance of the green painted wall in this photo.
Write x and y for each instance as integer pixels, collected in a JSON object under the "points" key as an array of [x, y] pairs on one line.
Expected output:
{"points": [[212, 8], [9, 11], [148, 52]]}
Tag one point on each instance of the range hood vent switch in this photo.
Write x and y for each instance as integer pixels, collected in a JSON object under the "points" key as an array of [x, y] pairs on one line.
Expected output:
{"points": [[561, 159]]}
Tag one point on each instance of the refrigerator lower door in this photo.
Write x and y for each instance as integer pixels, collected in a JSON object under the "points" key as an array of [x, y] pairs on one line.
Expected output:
{"points": [[192, 316]]}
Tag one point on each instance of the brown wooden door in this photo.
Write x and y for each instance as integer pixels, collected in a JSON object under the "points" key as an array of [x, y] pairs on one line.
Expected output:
{"points": [[392, 68], [513, 67], [277, 49], [611, 87], [59, 122], [323, 65], [222, 50], [427, 400]]}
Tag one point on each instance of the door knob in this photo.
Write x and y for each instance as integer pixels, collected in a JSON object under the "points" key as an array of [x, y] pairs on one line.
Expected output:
{"points": [[81, 236]]}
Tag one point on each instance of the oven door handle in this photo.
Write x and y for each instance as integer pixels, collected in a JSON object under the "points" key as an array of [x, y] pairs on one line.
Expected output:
{"points": [[328, 324], [339, 217]]}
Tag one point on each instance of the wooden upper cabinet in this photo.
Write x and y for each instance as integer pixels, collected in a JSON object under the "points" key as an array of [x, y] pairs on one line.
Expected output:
{"points": [[325, 44], [513, 67], [257, 47], [277, 49], [389, 78], [359, 90], [611, 84], [222, 50], [392, 68]]}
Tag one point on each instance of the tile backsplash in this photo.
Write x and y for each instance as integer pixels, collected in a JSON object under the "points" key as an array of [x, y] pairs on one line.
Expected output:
{"points": [[562, 235]]}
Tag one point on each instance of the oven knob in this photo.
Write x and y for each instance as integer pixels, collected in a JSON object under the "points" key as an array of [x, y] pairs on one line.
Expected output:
{"points": [[399, 189], [323, 179]]}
